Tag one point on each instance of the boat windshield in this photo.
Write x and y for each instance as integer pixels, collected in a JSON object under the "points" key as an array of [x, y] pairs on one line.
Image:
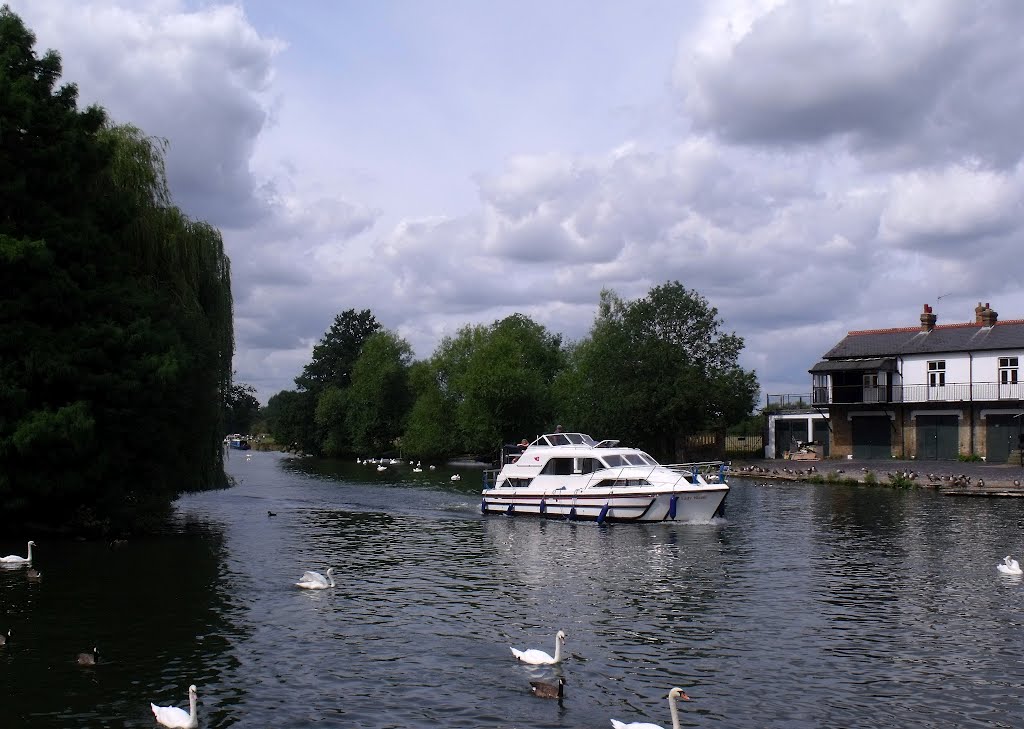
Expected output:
{"points": [[612, 460], [580, 439]]}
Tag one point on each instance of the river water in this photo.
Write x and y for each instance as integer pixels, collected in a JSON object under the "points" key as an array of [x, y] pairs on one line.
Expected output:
{"points": [[807, 606]]}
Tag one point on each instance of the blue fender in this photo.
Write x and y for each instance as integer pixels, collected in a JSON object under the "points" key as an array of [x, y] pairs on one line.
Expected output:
{"points": [[603, 514], [672, 506]]}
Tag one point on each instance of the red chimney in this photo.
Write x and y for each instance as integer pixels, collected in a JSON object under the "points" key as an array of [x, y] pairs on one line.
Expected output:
{"points": [[928, 319], [988, 317]]}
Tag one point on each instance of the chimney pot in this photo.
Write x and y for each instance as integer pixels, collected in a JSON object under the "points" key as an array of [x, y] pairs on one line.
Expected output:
{"points": [[928, 319]]}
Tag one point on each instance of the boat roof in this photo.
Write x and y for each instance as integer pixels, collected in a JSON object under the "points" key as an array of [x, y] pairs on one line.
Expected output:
{"points": [[572, 439]]}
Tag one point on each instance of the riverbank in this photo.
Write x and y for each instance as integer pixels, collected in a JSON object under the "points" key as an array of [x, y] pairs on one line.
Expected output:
{"points": [[950, 477]]}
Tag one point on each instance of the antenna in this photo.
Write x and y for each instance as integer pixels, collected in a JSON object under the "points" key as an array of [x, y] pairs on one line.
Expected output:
{"points": [[946, 294]]}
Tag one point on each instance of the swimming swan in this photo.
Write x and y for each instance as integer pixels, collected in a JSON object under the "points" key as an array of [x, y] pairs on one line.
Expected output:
{"points": [[15, 559], [1009, 566], [540, 658], [172, 716], [672, 696], [316, 581]]}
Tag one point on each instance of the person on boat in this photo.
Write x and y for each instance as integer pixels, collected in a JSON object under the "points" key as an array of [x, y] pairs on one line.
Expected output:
{"points": [[524, 444], [558, 429]]}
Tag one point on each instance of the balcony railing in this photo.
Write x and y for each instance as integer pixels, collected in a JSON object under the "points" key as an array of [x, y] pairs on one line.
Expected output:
{"points": [[952, 392]]}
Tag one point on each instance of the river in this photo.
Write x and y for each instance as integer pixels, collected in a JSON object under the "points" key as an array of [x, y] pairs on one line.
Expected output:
{"points": [[807, 606]]}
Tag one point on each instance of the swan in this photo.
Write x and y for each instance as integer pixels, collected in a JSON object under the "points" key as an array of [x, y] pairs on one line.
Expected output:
{"points": [[548, 690], [456, 477], [538, 657], [676, 693], [15, 559], [316, 581], [382, 467], [1009, 566], [417, 469], [172, 716], [89, 659]]}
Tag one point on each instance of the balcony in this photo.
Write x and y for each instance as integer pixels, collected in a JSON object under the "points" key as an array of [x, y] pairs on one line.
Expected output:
{"points": [[952, 392]]}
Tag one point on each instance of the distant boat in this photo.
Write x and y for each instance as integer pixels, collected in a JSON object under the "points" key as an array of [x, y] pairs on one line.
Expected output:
{"points": [[238, 442]]}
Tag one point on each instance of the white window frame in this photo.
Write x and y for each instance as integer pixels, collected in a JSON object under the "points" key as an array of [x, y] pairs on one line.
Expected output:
{"points": [[1008, 370], [937, 373]]}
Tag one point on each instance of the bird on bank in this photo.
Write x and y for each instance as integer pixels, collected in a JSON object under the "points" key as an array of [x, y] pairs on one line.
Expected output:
{"points": [[676, 693], [15, 559], [1009, 566], [175, 718], [539, 657], [548, 690], [89, 659]]}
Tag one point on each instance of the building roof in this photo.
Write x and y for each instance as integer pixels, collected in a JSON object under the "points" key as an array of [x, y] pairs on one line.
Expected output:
{"points": [[970, 337]]}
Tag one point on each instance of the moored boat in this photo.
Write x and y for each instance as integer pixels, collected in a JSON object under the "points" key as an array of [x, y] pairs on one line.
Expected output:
{"points": [[571, 475]]}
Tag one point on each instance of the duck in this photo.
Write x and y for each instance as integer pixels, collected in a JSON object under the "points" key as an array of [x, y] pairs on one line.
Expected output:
{"points": [[15, 559], [539, 657], [89, 659], [1009, 566], [175, 718], [316, 581], [676, 693], [548, 690], [271, 513]]}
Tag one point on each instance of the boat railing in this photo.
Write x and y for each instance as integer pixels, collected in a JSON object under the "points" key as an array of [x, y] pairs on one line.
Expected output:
{"points": [[710, 471]]}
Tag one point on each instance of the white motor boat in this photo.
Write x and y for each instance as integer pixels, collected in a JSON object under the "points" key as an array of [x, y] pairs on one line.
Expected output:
{"points": [[570, 475]]}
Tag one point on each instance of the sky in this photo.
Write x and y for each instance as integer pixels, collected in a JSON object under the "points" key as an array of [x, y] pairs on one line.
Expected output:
{"points": [[810, 167]]}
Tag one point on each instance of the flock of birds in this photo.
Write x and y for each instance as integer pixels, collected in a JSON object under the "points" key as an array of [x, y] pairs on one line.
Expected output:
{"points": [[383, 463], [168, 716], [537, 657], [956, 480]]}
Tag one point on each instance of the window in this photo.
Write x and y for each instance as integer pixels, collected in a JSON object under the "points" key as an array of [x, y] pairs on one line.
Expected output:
{"points": [[937, 373], [558, 467], [1007, 370], [871, 380]]}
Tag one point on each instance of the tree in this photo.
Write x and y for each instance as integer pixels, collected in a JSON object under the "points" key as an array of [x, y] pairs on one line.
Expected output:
{"points": [[659, 369], [291, 419], [430, 431], [336, 354], [115, 313], [379, 397], [241, 408]]}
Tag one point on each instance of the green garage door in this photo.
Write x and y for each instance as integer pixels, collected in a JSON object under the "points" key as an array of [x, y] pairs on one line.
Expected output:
{"points": [[1000, 437], [872, 437], [823, 437], [938, 437]]}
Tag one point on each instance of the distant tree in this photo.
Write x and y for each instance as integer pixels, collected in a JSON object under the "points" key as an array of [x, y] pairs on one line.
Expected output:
{"points": [[430, 431], [379, 397], [291, 420], [658, 369], [332, 434], [336, 353], [502, 375], [241, 408]]}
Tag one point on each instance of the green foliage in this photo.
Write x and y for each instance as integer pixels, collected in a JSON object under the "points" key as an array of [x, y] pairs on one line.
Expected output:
{"points": [[116, 335], [241, 408], [970, 458], [870, 478], [291, 420], [379, 397], [336, 354], [430, 427]]}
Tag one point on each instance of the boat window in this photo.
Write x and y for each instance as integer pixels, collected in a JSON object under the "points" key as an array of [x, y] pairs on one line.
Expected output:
{"points": [[515, 483], [587, 440], [612, 460], [558, 439], [621, 483], [588, 465], [574, 438], [648, 459], [558, 467], [634, 459]]}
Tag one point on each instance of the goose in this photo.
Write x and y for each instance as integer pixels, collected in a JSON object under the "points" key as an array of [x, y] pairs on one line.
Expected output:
{"points": [[15, 559], [316, 581], [676, 693], [548, 690], [175, 718], [89, 659], [538, 657], [5, 637], [34, 575], [1009, 566]]}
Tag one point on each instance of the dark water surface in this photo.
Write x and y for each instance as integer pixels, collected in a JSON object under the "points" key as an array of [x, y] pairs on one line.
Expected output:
{"points": [[809, 606]]}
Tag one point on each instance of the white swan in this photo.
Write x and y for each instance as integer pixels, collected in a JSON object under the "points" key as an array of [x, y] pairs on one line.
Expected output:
{"points": [[538, 657], [456, 477], [172, 716], [676, 693], [316, 581], [1009, 566], [15, 559]]}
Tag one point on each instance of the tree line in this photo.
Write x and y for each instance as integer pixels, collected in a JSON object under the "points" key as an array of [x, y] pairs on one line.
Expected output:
{"points": [[116, 330], [650, 372]]}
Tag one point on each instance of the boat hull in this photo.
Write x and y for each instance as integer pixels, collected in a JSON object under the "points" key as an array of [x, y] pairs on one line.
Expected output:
{"points": [[608, 505]]}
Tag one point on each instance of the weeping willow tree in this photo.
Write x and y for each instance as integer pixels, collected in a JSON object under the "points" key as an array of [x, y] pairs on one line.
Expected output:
{"points": [[115, 314]]}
